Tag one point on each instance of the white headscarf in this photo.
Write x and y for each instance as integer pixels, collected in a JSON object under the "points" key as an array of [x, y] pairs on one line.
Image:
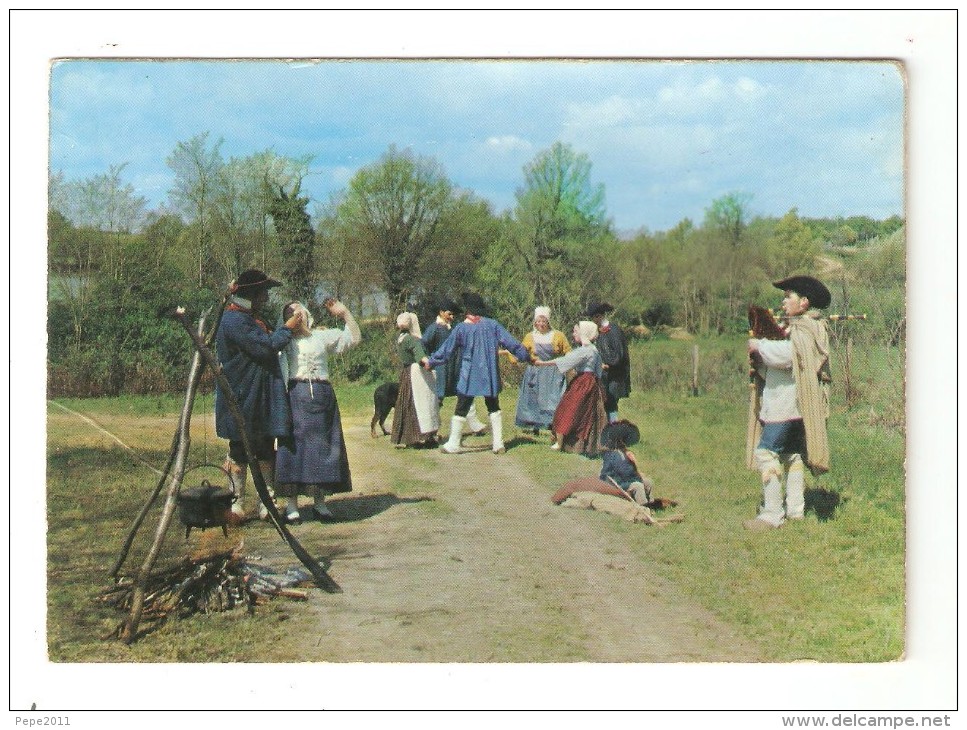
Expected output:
{"points": [[410, 321], [588, 331], [282, 318], [542, 337]]}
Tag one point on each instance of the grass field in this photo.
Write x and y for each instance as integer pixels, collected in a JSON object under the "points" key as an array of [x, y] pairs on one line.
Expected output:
{"points": [[829, 589]]}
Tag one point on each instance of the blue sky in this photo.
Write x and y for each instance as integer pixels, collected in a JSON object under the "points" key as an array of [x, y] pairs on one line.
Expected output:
{"points": [[664, 137]]}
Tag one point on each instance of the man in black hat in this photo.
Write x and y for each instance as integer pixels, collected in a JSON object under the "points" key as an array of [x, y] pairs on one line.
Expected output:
{"points": [[447, 373], [613, 347], [478, 338], [619, 465], [791, 403], [248, 350]]}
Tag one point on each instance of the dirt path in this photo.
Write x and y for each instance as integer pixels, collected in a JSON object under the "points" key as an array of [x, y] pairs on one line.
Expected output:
{"points": [[482, 567]]}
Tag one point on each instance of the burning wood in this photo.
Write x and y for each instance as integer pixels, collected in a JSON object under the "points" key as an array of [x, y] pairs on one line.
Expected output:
{"points": [[207, 584]]}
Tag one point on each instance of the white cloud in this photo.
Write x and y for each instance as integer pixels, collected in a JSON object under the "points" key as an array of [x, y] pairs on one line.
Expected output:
{"points": [[150, 185], [342, 174], [748, 89], [685, 98], [508, 143], [610, 112]]}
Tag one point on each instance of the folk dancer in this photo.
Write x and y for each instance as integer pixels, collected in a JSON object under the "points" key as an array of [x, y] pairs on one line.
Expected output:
{"points": [[312, 459], [613, 346], [541, 388], [416, 416], [478, 338], [447, 373]]}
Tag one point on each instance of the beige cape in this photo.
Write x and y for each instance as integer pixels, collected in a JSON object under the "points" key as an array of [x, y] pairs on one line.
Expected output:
{"points": [[810, 367]]}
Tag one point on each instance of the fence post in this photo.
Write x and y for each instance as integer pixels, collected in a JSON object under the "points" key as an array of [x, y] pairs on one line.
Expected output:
{"points": [[847, 374], [695, 370]]}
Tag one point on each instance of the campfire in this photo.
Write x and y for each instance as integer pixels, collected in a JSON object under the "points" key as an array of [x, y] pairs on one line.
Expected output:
{"points": [[220, 581]]}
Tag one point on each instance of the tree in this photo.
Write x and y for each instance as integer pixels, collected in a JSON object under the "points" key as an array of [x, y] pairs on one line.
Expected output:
{"points": [[296, 241], [161, 234], [680, 233], [891, 225], [196, 166], [844, 235], [57, 192], [391, 210], [248, 187], [346, 273], [559, 214], [466, 229], [791, 248], [729, 215], [75, 256], [103, 202]]}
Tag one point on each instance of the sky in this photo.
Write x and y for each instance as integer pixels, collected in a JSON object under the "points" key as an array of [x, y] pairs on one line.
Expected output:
{"points": [[665, 138]]}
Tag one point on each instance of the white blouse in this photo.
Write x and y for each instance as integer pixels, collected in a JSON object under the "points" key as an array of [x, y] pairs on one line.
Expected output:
{"points": [[583, 359], [307, 358]]}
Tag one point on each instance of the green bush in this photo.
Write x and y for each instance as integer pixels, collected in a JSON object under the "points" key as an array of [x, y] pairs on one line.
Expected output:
{"points": [[126, 345], [373, 360]]}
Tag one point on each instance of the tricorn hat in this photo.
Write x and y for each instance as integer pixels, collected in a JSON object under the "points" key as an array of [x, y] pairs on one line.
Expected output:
{"points": [[620, 433], [253, 279], [598, 308], [474, 304], [806, 286], [446, 304]]}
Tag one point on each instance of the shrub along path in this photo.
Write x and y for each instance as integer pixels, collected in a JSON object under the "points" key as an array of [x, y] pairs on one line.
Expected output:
{"points": [[463, 558]]}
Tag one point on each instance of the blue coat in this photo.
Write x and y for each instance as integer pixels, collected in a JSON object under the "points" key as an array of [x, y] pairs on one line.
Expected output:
{"points": [[616, 465], [250, 361], [613, 346], [477, 345], [446, 374]]}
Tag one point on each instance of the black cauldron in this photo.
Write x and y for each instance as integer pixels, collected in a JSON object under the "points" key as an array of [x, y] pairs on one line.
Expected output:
{"points": [[205, 506]]}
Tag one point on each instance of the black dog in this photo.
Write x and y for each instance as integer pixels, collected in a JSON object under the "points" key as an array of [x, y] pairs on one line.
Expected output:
{"points": [[384, 400]]}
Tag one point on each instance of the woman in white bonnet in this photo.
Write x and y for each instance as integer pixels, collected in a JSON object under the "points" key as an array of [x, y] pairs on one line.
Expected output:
{"points": [[541, 388], [416, 417], [313, 459], [580, 415]]}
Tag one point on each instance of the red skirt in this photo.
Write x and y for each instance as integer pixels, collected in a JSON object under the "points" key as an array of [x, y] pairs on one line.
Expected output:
{"points": [[580, 416]]}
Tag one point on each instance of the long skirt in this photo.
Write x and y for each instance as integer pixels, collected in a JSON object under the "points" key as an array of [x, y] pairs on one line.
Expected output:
{"points": [[541, 390], [315, 454], [416, 416], [580, 417]]}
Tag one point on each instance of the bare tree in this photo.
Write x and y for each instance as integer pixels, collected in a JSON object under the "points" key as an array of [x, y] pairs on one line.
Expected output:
{"points": [[196, 166]]}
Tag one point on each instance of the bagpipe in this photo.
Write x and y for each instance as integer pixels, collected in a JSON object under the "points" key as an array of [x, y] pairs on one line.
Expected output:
{"points": [[769, 324], [764, 325]]}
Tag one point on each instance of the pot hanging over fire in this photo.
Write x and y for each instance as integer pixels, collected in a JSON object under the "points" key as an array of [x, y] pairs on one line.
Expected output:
{"points": [[205, 506]]}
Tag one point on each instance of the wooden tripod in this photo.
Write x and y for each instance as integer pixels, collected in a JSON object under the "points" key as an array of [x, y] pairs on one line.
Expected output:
{"points": [[175, 468]]}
